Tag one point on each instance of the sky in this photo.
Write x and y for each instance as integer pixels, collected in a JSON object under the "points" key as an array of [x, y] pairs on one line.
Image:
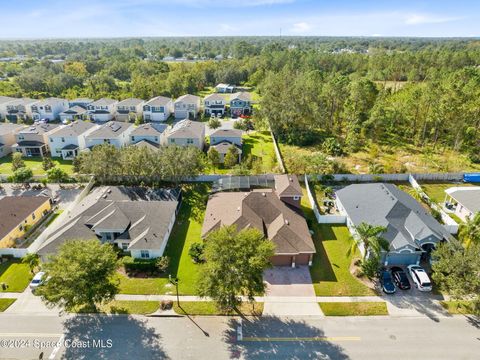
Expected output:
{"points": [[136, 18]]}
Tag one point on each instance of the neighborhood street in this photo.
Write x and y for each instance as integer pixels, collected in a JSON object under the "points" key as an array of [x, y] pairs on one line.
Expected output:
{"points": [[122, 337]]}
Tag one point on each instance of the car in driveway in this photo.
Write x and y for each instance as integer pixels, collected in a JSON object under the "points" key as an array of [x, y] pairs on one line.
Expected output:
{"points": [[400, 278], [388, 287], [37, 280], [420, 278]]}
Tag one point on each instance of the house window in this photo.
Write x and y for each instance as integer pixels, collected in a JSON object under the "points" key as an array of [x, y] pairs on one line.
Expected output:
{"points": [[172, 141], [108, 236], [189, 141], [51, 140], [156, 138], [33, 216], [124, 246], [21, 137], [133, 138], [145, 254], [63, 139]]}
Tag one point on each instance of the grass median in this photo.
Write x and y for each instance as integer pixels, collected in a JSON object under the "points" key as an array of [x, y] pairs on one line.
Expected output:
{"points": [[5, 303], [209, 308], [353, 308]]}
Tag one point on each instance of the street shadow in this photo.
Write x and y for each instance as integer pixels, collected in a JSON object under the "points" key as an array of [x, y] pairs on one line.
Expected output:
{"points": [[425, 304], [275, 338], [115, 338]]}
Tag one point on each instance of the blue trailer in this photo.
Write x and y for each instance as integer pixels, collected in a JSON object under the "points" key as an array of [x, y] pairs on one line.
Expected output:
{"points": [[471, 177]]}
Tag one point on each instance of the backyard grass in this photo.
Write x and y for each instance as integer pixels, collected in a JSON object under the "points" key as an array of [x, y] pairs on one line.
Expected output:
{"points": [[436, 192], [186, 231], [458, 307], [5, 304], [260, 145], [15, 275], [353, 308], [330, 269], [209, 308], [34, 163]]}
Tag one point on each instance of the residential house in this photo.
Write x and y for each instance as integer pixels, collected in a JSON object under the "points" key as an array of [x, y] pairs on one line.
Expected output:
{"points": [[223, 139], [225, 88], [157, 109], [187, 107], [48, 109], [74, 113], [82, 102], [70, 139], [240, 104], [129, 109], [214, 104], [411, 232], [116, 133], [102, 110], [18, 214], [266, 211], [4, 100], [185, 133], [19, 109], [148, 135], [134, 219], [465, 201], [33, 140], [7, 137]]}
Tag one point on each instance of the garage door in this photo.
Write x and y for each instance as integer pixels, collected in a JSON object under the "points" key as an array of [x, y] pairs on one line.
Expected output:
{"points": [[402, 259], [282, 260]]}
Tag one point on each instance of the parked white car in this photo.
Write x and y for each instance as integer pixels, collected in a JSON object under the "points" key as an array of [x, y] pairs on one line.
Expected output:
{"points": [[420, 278], [37, 280]]}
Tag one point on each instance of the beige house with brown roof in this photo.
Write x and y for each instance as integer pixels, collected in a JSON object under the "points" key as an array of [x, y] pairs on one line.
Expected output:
{"points": [[270, 211]]}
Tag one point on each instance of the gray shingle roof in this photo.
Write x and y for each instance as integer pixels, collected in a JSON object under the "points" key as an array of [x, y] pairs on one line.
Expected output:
{"points": [[469, 197], [287, 185], [103, 102], [188, 98], [223, 147], [186, 129], [407, 222], [227, 133], [242, 95], [158, 101], [143, 218], [130, 102], [148, 144], [6, 128], [111, 129], [39, 128], [75, 128], [75, 110], [149, 129], [5, 99], [214, 97]]}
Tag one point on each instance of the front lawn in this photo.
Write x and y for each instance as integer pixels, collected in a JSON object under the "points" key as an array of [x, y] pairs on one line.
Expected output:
{"points": [[458, 307], [260, 145], [16, 275], [186, 231], [353, 308], [209, 308], [5, 304], [34, 163], [330, 269], [140, 307]]}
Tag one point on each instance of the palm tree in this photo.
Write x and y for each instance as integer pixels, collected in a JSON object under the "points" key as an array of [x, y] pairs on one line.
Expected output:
{"points": [[371, 238], [470, 231], [32, 260]]}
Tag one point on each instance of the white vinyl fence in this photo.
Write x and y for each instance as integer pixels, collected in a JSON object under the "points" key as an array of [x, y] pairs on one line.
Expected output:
{"points": [[322, 219]]}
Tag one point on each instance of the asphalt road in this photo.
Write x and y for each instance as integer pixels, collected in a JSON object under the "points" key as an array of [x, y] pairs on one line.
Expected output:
{"points": [[86, 337]]}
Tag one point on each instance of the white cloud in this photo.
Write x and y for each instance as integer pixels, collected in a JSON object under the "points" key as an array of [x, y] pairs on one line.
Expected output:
{"points": [[301, 27], [418, 19]]}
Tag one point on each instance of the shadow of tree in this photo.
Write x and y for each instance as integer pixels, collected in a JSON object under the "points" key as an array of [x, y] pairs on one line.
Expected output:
{"points": [[271, 337], [422, 303], [130, 337]]}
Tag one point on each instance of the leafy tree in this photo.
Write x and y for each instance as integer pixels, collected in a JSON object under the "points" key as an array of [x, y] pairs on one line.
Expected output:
{"points": [[231, 157], [22, 175], [181, 163], [213, 156], [57, 175], [455, 271], [196, 252], [17, 161], [47, 163], [235, 262], [81, 276], [214, 123], [32, 260], [470, 231], [162, 263]]}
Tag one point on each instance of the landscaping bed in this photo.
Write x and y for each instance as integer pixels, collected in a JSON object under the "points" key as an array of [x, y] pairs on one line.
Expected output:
{"points": [[209, 308], [353, 308]]}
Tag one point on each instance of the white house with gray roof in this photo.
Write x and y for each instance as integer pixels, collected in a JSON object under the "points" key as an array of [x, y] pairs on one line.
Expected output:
{"points": [[4, 100], [128, 108], [116, 133], [74, 113], [214, 104], [186, 133], [157, 109], [411, 229], [82, 102], [69, 140], [466, 200], [32, 140], [223, 139], [7, 137], [102, 110], [19, 109], [137, 220], [187, 107], [149, 135], [49, 108]]}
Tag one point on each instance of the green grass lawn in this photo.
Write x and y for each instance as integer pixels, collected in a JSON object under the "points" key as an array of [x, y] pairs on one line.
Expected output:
{"points": [[209, 308], [354, 308], [186, 231], [260, 144], [16, 275], [5, 304], [140, 307], [330, 270], [436, 192], [458, 307], [35, 164]]}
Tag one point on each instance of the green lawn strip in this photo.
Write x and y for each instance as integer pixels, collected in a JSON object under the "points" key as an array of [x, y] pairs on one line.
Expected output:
{"points": [[436, 192], [138, 307], [16, 275], [330, 270], [457, 307], [209, 308], [353, 308], [260, 144], [5, 304], [186, 231], [35, 164]]}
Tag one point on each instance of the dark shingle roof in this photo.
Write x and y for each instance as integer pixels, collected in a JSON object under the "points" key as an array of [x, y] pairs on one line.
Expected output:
{"points": [[222, 147]]}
